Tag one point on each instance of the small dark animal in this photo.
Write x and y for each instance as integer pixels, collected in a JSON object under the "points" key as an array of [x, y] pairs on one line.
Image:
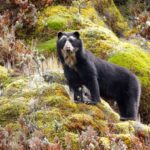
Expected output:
{"points": [[103, 79]]}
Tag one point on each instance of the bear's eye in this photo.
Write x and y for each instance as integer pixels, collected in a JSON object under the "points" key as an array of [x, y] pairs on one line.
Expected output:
{"points": [[71, 40], [63, 40]]}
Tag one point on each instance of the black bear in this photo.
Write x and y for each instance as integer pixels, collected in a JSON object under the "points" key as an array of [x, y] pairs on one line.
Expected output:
{"points": [[103, 79]]}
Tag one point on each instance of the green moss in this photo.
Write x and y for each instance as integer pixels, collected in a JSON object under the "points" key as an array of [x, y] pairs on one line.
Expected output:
{"points": [[123, 128], [137, 61], [79, 122], [47, 47], [105, 143], [113, 16], [29, 93], [15, 87], [46, 118], [57, 116], [56, 22], [55, 18], [56, 96], [90, 13], [3, 74], [10, 110], [55, 89], [109, 114], [94, 111], [99, 40], [60, 102]]}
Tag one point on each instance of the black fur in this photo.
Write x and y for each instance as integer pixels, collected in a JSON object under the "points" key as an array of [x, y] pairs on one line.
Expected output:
{"points": [[103, 79]]}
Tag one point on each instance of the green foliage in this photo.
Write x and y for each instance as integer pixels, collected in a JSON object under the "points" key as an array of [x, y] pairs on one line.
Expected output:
{"points": [[10, 110], [15, 87], [50, 109], [47, 46], [3, 74], [56, 22], [55, 18], [99, 40], [124, 127], [137, 61], [112, 14]]}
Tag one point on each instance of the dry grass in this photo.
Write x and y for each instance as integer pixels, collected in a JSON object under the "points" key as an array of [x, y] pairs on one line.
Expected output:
{"points": [[52, 64]]}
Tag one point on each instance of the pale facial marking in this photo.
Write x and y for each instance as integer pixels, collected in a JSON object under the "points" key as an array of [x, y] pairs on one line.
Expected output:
{"points": [[68, 46], [69, 54], [69, 51], [64, 36], [72, 37]]}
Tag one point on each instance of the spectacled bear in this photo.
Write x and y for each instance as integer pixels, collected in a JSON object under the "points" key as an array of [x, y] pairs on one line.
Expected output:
{"points": [[103, 79]]}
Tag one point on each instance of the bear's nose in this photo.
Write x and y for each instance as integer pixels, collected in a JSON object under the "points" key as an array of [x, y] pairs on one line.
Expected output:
{"points": [[68, 50]]}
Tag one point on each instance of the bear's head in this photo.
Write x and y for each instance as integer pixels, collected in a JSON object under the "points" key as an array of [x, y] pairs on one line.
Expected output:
{"points": [[68, 45]]}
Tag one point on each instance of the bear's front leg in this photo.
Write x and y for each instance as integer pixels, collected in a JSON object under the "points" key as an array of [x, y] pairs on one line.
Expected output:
{"points": [[93, 86], [78, 94], [74, 83]]}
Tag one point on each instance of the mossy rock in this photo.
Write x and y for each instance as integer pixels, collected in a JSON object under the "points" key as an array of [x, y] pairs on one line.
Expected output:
{"points": [[50, 109], [55, 104], [51, 20], [66, 17], [55, 77], [15, 87], [138, 62], [114, 18], [126, 127], [100, 40], [55, 89], [109, 114], [47, 118], [11, 109], [55, 18], [59, 102], [56, 22], [94, 111], [57, 96], [63, 18]]}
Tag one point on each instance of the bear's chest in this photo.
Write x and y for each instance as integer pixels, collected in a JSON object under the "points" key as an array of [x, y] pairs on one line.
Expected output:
{"points": [[69, 58]]}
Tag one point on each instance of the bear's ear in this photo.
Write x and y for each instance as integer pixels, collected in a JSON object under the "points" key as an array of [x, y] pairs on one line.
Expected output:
{"points": [[76, 34], [59, 35]]}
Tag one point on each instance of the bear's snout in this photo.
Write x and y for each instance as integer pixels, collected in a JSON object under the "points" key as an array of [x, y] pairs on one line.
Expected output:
{"points": [[68, 47], [68, 50]]}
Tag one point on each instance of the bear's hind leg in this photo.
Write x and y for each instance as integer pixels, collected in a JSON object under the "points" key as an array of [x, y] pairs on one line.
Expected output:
{"points": [[128, 108]]}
